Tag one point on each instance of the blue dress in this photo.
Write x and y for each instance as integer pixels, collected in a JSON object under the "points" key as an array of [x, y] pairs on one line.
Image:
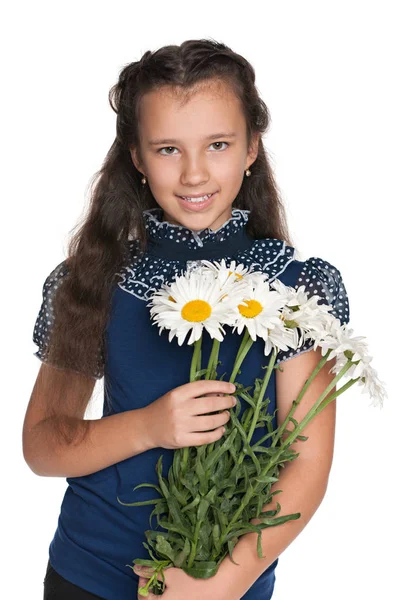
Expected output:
{"points": [[96, 536]]}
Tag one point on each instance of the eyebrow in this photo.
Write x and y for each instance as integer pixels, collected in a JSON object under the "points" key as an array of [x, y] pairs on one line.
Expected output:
{"points": [[209, 137]]}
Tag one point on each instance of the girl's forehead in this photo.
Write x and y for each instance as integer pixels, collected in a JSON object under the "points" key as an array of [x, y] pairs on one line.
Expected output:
{"points": [[208, 106]]}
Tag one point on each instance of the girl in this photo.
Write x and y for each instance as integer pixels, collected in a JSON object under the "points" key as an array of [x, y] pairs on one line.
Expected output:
{"points": [[187, 178]]}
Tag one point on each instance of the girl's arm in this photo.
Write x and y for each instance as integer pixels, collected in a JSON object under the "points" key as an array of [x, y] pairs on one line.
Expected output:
{"points": [[61, 443], [303, 482]]}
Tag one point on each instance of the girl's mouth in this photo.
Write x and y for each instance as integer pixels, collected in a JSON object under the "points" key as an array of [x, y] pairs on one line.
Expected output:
{"points": [[196, 204]]}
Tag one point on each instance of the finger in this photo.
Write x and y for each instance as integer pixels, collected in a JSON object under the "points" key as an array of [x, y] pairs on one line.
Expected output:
{"points": [[212, 404], [143, 571], [147, 572], [204, 386]]}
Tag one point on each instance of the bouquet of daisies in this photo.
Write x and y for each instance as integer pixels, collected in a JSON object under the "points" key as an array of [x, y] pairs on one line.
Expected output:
{"points": [[214, 491]]}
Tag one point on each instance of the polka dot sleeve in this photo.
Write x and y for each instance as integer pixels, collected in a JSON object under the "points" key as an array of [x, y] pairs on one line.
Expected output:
{"points": [[45, 318], [323, 279]]}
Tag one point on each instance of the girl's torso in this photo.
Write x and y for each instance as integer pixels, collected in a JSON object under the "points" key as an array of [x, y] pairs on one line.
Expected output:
{"points": [[97, 537]]}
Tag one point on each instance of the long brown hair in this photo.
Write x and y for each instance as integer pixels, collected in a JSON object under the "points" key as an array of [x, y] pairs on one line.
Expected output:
{"points": [[99, 248]]}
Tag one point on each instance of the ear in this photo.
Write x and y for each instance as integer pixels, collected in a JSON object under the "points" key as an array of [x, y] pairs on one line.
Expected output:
{"points": [[253, 151], [135, 158]]}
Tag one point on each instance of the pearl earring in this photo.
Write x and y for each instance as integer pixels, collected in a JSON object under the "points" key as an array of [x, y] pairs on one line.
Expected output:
{"points": [[144, 180], [248, 172]]}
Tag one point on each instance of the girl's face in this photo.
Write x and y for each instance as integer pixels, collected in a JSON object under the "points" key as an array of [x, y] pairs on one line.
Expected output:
{"points": [[194, 148]]}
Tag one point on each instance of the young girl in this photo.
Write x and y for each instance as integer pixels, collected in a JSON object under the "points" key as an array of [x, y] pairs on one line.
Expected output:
{"points": [[187, 178]]}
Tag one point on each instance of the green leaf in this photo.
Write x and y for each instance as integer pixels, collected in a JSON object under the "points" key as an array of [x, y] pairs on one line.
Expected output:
{"points": [[178, 529], [176, 514], [202, 569], [279, 520], [219, 451], [264, 450], [249, 400], [192, 504], [178, 495], [163, 485], [165, 548], [149, 550], [216, 532], [153, 501], [265, 479], [259, 547], [200, 373], [231, 545], [241, 528], [144, 561], [148, 485], [200, 471], [212, 494], [182, 556], [202, 509]]}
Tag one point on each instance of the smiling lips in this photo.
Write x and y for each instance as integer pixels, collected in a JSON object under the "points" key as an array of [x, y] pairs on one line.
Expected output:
{"points": [[197, 197], [197, 202]]}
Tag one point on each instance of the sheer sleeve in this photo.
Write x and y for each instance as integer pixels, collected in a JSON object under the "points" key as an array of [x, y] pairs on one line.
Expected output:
{"points": [[45, 318], [324, 279]]}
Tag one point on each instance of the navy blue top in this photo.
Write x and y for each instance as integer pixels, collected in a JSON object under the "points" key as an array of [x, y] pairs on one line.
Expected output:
{"points": [[96, 536]]}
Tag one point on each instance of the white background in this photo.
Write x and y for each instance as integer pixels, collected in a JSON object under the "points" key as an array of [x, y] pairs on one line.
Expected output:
{"points": [[328, 73]]}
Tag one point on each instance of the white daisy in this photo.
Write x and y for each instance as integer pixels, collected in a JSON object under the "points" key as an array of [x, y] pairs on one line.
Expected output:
{"points": [[191, 303], [259, 312], [373, 386], [225, 273], [303, 313]]}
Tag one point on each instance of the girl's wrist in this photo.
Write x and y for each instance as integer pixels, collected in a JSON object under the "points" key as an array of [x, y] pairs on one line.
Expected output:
{"points": [[142, 430]]}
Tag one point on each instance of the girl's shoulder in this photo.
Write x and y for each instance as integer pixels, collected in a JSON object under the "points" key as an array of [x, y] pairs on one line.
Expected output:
{"points": [[53, 279], [317, 275], [45, 317], [321, 277]]}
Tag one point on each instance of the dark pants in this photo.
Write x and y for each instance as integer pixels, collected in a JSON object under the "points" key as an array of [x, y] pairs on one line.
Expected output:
{"points": [[58, 588]]}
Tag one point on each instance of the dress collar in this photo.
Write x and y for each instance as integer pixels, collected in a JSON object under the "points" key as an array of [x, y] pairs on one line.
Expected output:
{"points": [[167, 240]]}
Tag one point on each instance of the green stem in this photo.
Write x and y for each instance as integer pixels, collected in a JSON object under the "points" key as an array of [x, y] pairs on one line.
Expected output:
{"points": [[289, 440], [311, 413], [195, 358], [327, 400], [300, 396], [262, 392], [260, 399], [213, 360], [192, 555], [212, 365], [193, 368], [244, 348]]}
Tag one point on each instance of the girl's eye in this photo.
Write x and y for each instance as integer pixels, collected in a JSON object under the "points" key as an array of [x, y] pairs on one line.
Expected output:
{"points": [[173, 147], [166, 148], [213, 144]]}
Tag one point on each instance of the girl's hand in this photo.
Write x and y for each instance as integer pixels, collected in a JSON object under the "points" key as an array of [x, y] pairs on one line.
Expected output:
{"points": [[181, 417], [181, 586]]}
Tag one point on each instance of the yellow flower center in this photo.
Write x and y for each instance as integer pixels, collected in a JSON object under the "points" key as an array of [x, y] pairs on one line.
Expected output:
{"points": [[196, 310], [252, 309]]}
